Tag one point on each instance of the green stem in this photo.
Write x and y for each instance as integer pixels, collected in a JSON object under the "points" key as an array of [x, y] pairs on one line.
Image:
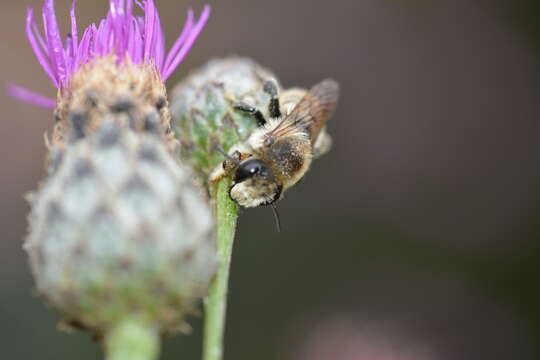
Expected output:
{"points": [[132, 339], [215, 305]]}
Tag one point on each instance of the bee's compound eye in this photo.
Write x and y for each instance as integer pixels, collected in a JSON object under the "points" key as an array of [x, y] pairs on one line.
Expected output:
{"points": [[249, 169], [254, 170]]}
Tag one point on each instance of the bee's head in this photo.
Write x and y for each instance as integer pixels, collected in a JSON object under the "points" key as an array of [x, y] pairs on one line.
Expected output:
{"points": [[254, 184]]}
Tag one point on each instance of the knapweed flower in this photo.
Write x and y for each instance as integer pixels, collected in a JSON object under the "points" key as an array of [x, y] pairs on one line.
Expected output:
{"points": [[137, 38], [118, 65]]}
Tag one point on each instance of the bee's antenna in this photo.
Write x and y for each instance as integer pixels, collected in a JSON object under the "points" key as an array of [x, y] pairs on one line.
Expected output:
{"points": [[227, 156], [276, 217]]}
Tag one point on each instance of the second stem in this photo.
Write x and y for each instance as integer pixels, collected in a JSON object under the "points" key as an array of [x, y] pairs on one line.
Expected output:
{"points": [[215, 305]]}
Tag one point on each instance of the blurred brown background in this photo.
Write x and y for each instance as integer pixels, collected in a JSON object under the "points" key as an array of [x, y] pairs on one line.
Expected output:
{"points": [[415, 238]]}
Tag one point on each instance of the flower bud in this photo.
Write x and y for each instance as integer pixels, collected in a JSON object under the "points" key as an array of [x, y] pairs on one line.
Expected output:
{"points": [[120, 228], [204, 119]]}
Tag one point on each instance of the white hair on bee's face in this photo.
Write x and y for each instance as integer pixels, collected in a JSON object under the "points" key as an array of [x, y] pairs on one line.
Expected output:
{"points": [[247, 195], [255, 192]]}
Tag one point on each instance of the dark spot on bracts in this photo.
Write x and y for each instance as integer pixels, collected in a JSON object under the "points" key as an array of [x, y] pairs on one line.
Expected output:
{"points": [[55, 159], [152, 123], [161, 102], [136, 184], [148, 153], [92, 98], [122, 105], [109, 134], [83, 168], [54, 213], [57, 115], [79, 121]]}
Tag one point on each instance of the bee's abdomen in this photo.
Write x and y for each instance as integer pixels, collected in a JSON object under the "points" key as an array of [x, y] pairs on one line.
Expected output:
{"points": [[291, 157]]}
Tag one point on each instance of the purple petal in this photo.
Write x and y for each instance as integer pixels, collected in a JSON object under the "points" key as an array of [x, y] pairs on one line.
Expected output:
{"points": [[138, 45], [110, 36], [84, 48], [139, 4], [117, 16], [74, 29], [178, 43], [30, 96], [160, 44], [121, 32], [56, 50], [149, 23], [68, 54], [42, 59], [126, 23], [92, 45], [140, 22], [189, 42], [100, 39], [36, 33]]}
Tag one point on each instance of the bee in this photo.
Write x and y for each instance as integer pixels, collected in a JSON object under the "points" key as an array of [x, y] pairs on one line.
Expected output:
{"points": [[279, 152]]}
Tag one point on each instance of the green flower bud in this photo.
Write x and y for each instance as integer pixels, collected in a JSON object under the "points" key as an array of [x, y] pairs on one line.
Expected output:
{"points": [[119, 229], [202, 108]]}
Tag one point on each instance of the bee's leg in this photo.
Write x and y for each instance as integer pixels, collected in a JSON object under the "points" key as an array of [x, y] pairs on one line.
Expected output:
{"points": [[226, 168], [322, 145], [271, 89], [242, 106], [217, 174]]}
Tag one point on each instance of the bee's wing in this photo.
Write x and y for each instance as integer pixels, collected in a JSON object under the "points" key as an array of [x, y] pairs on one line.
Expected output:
{"points": [[311, 113]]}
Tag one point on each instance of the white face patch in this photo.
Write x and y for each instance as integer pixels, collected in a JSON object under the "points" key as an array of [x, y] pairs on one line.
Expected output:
{"points": [[253, 193], [244, 195]]}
